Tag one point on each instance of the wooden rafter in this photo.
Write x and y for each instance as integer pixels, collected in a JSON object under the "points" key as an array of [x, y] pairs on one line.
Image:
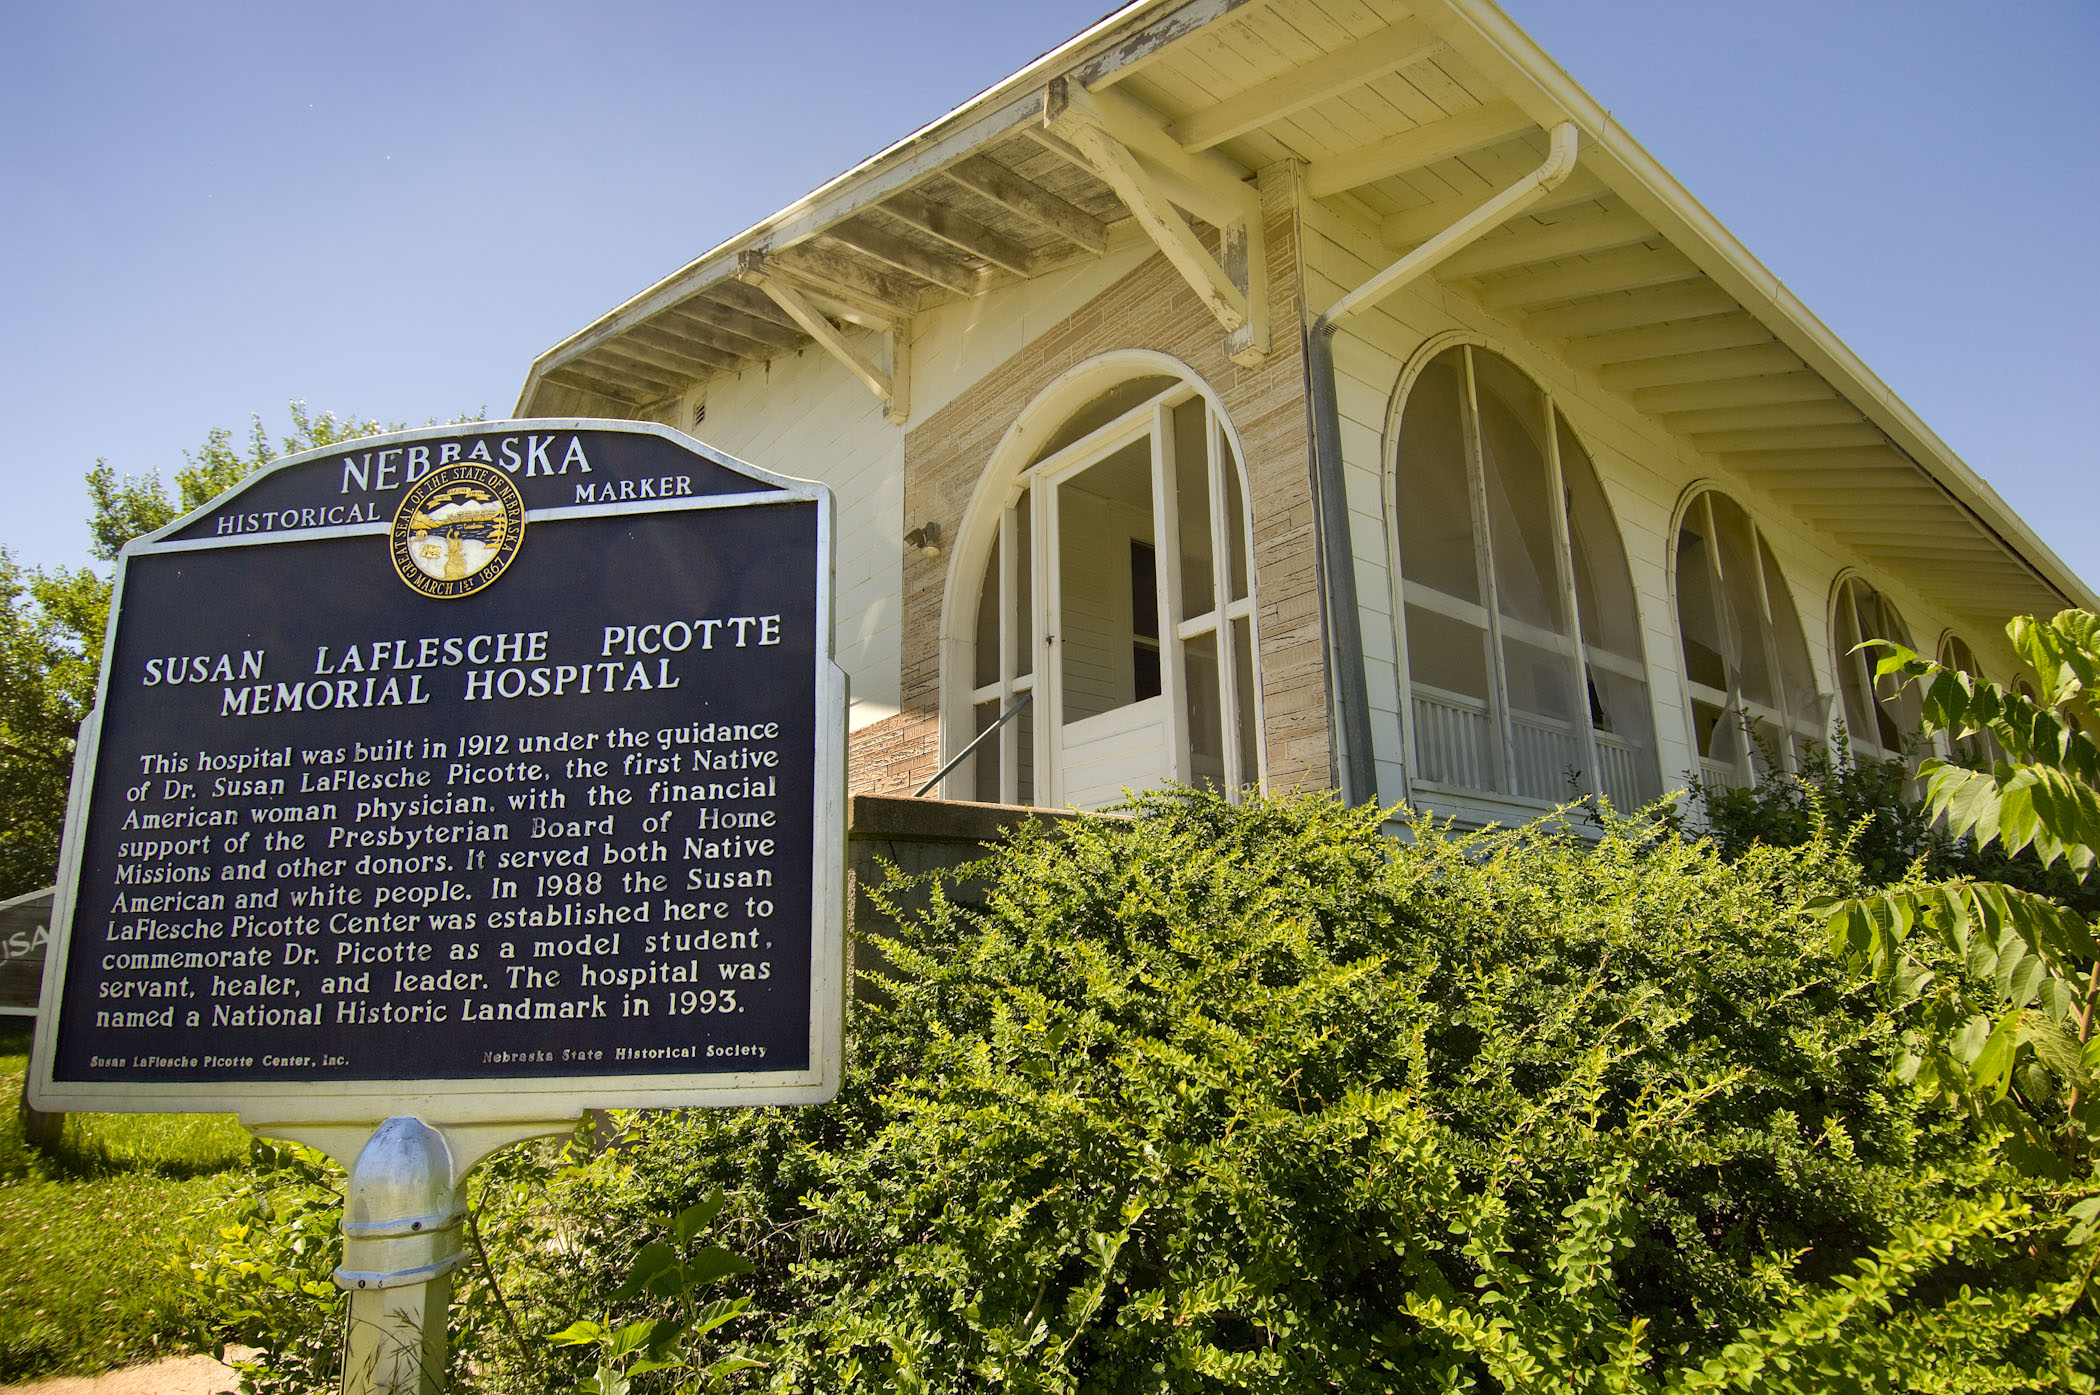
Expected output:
{"points": [[1769, 438], [1420, 224], [1682, 300], [675, 333], [1736, 392], [963, 233], [735, 322], [1755, 360], [894, 251], [1829, 411], [571, 376], [1728, 331], [1389, 49], [1468, 131], [607, 361], [686, 357], [1630, 268], [868, 294], [1530, 243], [1030, 200], [1233, 284]]}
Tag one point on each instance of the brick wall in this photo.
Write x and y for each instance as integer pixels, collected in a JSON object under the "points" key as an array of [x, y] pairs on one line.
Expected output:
{"points": [[1151, 308]]}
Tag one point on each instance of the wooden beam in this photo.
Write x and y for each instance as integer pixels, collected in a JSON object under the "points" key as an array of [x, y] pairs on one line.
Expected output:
{"points": [[1836, 509], [688, 360], [569, 375], [1933, 542], [1148, 203], [1029, 200], [677, 335], [814, 324], [1206, 183], [735, 295], [1658, 305], [1425, 145], [1526, 243], [1730, 331], [607, 361], [959, 231], [735, 322], [1757, 360], [1777, 438], [1878, 457], [1389, 49], [1630, 268], [874, 294], [1829, 411], [892, 250], [1733, 392], [1402, 230]]}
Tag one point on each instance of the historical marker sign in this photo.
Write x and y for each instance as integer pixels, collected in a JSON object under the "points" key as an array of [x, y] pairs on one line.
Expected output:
{"points": [[500, 766]]}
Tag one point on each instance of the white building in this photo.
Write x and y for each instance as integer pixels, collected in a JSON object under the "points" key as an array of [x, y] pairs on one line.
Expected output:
{"points": [[1266, 397]]}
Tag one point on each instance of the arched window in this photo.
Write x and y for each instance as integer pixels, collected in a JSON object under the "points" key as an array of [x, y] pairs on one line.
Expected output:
{"points": [[1522, 633], [1746, 661], [1880, 715], [1978, 747], [1115, 596]]}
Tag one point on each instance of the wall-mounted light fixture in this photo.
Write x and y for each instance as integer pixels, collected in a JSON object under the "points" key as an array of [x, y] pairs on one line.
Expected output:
{"points": [[925, 539]]}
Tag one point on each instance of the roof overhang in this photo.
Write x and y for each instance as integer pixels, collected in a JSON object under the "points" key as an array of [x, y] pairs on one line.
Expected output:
{"points": [[1623, 271]]}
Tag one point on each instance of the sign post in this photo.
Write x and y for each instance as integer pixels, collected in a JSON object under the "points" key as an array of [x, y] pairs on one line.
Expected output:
{"points": [[444, 785]]}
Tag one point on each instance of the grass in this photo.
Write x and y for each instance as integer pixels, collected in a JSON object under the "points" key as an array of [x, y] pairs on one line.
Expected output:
{"points": [[90, 1229]]}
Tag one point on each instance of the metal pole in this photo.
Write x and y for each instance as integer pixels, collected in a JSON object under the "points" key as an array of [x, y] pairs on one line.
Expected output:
{"points": [[401, 1242]]}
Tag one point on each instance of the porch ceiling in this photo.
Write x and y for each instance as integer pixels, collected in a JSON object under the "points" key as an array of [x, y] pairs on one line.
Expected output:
{"points": [[1403, 117]]}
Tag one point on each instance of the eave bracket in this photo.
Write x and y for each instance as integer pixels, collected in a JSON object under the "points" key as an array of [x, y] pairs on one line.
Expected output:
{"points": [[1129, 150], [891, 385]]}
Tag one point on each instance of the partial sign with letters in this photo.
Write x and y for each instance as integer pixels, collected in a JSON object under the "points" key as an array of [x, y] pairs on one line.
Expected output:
{"points": [[499, 764]]}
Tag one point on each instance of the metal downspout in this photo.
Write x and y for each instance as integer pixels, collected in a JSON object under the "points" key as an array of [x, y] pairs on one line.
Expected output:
{"points": [[1359, 775]]}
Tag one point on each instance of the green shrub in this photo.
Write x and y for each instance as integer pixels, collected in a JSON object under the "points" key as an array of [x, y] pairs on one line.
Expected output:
{"points": [[1264, 1099], [1222, 1098]]}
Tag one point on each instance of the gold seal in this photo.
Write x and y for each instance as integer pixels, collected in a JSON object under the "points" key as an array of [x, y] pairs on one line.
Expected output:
{"points": [[456, 530]]}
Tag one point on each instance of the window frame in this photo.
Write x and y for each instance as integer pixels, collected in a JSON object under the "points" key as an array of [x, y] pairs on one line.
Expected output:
{"points": [[1486, 613], [1011, 481], [1886, 697]]}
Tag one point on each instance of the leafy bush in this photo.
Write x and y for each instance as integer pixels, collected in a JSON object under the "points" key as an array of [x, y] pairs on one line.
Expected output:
{"points": [[1265, 1099], [1873, 806]]}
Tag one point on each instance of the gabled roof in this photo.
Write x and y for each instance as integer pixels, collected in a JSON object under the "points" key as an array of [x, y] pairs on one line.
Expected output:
{"points": [[1403, 117]]}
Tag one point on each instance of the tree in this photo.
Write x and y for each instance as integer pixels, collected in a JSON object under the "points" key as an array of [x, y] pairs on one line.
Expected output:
{"points": [[2003, 982], [52, 626]]}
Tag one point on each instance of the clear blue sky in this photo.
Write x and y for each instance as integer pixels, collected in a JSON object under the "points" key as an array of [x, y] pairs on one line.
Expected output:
{"points": [[390, 208]]}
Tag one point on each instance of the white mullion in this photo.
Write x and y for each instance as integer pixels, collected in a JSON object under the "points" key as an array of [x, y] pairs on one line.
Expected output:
{"points": [[1198, 627], [1564, 560], [1848, 596], [1050, 707], [1500, 757], [1731, 662], [1221, 591], [1769, 637], [1009, 739], [1166, 527]]}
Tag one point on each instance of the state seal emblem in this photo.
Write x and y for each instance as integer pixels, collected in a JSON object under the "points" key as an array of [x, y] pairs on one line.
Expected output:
{"points": [[456, 530]]}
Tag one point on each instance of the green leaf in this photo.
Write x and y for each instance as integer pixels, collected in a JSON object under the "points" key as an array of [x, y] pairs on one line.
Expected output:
{"points": [[578, 1333], [696, 1218], [712, 1264]]}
